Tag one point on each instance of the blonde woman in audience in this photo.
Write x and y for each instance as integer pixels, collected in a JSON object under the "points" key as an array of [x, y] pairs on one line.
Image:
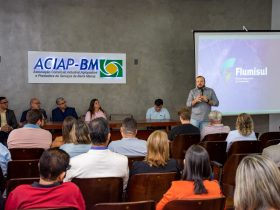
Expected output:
{"points": [[79, 142], [94, 111], [67, 126], [244, 130], [157, 159], [196, 182], [257, 184]]}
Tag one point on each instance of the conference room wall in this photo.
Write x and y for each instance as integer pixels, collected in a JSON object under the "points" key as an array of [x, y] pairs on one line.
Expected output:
{"points": [[156, 32]]}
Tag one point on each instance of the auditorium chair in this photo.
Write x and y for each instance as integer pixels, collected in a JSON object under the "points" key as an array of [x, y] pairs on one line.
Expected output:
{"points": [[216, 150], [50, 208], [26, 153], [22, 169], [215, 137], [100, 190], [240, 147], [132, 159], [271, 142], [269, 136], [138, 205], [181, 144], [13, 183], [149, 186], [197, 204]]}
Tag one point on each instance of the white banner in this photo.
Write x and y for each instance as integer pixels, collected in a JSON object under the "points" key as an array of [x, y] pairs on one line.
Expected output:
{"points": [[70, 67]]}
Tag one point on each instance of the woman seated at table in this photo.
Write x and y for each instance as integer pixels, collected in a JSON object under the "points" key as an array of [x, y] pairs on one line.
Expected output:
{"points": [[157, 159], [244, 130], [79, 142], [94, 111], [196, 182], [67, 126]]}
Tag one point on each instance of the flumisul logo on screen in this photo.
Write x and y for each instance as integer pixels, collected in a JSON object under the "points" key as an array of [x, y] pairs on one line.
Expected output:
{"points": [[111, 68], [226, 68]]}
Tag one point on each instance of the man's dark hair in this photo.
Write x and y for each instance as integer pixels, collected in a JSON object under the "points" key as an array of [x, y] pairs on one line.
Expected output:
{"points": [[197, 168], [2, 98], [158, 102], [52, 163], [33, 116], [130, 125], [185, 113], [99, 130]]}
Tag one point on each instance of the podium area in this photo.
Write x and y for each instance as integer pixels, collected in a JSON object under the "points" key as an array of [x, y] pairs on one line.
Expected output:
{"points": [[144, 127]]}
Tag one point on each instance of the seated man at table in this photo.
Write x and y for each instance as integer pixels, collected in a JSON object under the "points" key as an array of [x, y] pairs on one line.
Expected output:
{"points": [[34, 104], [157, 112], [50, 191], [215, 125], [186, 127], [99, 161], [31, 135], [129, 145], [62, 111], [8, 120]]}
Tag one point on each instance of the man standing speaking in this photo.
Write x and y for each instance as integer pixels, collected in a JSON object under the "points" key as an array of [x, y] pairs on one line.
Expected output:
{"points": [[201, 99]]}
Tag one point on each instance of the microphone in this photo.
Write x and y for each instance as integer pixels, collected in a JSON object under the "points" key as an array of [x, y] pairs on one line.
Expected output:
{"points": [[202, 91]]}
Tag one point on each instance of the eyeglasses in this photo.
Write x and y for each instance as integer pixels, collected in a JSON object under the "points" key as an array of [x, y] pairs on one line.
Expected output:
{"points": [[62, 103], [68, 167], [4, 102]]}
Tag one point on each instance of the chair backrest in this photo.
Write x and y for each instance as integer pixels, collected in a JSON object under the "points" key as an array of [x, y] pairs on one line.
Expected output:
{"points": [[216, 150], [149, 186], [26, 153], [138, 205], [22, 169], [100, 190], [240, 147], [269, 136], [119, 116], [271, 142], [215, 137], [131, 160], [58, 208], [181, 144], [13, 183], [229, 171], [197, 204]]}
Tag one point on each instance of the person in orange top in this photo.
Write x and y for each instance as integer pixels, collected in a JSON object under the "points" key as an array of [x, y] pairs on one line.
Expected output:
{"points": [[195, 183]]}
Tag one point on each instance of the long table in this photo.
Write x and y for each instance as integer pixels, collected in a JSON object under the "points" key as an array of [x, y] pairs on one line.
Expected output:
{"points": [[142, 126]]}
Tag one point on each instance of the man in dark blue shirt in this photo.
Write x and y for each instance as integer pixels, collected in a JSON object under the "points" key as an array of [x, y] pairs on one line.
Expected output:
{"points": [[62, 111]]}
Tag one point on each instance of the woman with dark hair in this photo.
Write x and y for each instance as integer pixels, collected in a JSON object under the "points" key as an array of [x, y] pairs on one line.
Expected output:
{"points": [[79, 142], [67, 126], [195, 183], [94, 111]]}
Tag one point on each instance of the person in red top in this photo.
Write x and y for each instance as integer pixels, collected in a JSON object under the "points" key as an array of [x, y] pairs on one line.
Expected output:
{"points": [[196, 183], [49, 192]]}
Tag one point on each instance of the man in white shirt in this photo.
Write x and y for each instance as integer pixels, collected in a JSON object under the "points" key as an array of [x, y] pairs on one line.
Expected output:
{"points": [[157, 112], [99, 161]]}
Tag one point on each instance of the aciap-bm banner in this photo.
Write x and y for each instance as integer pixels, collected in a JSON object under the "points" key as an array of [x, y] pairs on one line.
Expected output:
{"points": [[72, 67]]}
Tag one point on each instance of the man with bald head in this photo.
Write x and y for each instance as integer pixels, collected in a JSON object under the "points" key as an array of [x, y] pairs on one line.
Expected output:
{"points": [[34, 104]]}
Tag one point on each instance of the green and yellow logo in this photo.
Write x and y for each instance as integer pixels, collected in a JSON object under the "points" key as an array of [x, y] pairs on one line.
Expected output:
{"points": [[111, 68]]}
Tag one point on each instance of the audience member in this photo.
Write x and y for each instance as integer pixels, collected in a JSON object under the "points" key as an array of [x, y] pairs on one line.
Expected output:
{"points": [[31, 135], [67, 126], [34, 104], [195, 183], [99, 161], [186, 127], [157, 112], [5, 157], [157, 159], [49, 192], [79, 142], [215, 125], [8, 120], [273, 153], [244, 130], [257, 184], [94, 111], [129, 145], [62, 111]]}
